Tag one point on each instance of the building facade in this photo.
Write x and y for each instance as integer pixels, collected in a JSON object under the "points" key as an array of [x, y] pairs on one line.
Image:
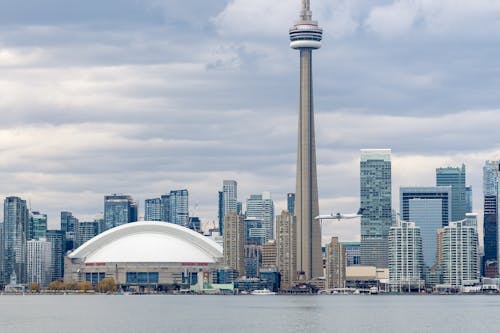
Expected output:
{"points": [[37, 227], [152, 209], [375, 192], [261, 207], [429, 208], [85, 231], [406, 263], [335, 264], [286, 247], [234, 242], [119, 209], [57, 246], [491, 178], [290, 203], [454, 177], [39, 262], [15, 232], [461, 253], [68, 224]]}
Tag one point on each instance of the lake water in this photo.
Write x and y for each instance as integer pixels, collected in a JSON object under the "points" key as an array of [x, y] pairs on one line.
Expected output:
{"points": [[101, 313]]}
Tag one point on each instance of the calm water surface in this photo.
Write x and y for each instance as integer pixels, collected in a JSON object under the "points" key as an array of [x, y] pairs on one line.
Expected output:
{"points": [[249, 314]]}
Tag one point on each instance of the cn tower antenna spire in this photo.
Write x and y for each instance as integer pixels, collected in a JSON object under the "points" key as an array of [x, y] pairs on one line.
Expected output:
{"points": [[306, 14]]}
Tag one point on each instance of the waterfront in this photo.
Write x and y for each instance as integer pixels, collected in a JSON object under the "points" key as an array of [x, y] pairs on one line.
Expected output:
{"points": [[102, 313]]}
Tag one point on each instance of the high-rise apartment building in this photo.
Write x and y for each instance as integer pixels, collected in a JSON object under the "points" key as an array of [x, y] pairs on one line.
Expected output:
{"points": [[229, 200], [261, 207], [37, 226], [86, 231], [39, 261], [220, 210], [119, 209], [286, 245], [352, 253], [269, 254], [460, 252], [335, 264], [290, 203], [491, 178], [234, 242], [152, 209], [253, 260], [454, 177], [58, 244], [406, 264], [15, 232], [430, 209], [375, 192], [68, 223], [179, 207]]}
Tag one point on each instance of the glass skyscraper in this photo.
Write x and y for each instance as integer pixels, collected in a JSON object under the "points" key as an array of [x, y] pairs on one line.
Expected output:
{"points": [[491, 177], [152, 209], [179, 207], [37, 227], [430, 209], [261, 207], [454, 177], [58, 244], [375, 192], [15, 230], [228, 201], [68, 224], [290, 203], [119, 209]]}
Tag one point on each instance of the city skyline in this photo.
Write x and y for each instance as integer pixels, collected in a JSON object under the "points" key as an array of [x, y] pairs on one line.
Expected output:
{"points": [[81, 133]]}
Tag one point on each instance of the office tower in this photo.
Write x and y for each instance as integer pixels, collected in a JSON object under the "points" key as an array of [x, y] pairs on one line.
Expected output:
{"points": [[335, 264], [86, 231], [269, 254], [179, 207], [406, 264], [306, 36], [234, 242], [286, 245], [255, 233], [152, 209], [253, 259], [220, 210], [454, 177], [375, 191], [491, 178], [352, 253], [468, 200], [290, 203], [119, 209], [261, 207], [39, 261], [430, 209], [239, 208], [15, 229], [460, 252], [68, 223], [37, 227], [58, 243]]}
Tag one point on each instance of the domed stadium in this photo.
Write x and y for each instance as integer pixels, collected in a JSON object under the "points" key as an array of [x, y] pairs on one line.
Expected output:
{"points": [[139, 255]]}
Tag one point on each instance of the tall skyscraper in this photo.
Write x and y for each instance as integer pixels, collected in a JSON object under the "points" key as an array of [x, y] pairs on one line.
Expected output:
{"points": [[152, 209], [68, 223], [290, 203], [491, 178], [286, 247], [261, 207], [58, 244], [15, 230], [119, 209], [234, 242], [375, 191], [460, 252], [469, 200], [406, 264], [335, 264], [179, 207], [86, 231], [37, 226], [306, 36], [39, 261], [454, 177], [220, 210], [165, 208], [430, 209]]}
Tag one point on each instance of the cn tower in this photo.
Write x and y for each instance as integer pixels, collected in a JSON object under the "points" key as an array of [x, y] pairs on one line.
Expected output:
{"points": [[306, 36]]}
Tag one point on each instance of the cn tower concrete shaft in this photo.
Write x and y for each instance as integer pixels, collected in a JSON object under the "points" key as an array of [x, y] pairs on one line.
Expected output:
{"points": [[306, 36]]}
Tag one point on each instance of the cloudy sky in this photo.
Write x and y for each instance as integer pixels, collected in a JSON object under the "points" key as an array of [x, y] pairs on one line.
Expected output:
{"points": [[142, 97]]}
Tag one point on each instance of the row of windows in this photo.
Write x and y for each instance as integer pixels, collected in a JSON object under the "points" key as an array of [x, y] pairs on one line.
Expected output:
{"points": [[142, 277], [94, 277]]}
